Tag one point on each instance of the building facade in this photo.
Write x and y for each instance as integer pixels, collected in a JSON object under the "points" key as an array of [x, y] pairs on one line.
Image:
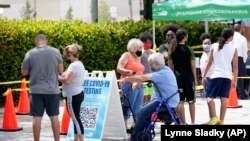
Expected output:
{"points": [[57, 9]]}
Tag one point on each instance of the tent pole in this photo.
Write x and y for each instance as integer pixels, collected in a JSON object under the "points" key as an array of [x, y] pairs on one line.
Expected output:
{"points": [[206, 26], [154, 45]]}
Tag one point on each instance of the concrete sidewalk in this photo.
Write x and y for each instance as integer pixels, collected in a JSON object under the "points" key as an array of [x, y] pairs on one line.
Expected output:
{"points": [[25, 121], [233, 116]]}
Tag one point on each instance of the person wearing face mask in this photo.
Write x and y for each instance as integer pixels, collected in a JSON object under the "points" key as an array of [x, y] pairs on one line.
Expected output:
{"points": [[169, 33], [206, 44], [165, 81], [72, 80], [128, 65], [147, 39]]}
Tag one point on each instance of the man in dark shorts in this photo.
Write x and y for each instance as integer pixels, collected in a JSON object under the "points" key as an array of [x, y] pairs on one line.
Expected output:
{"points": [[182, 61], [43, 64]]}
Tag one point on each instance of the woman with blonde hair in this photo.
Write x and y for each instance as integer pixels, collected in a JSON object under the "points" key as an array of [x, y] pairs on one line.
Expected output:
{"points": [[129, 64], [72, 80]]}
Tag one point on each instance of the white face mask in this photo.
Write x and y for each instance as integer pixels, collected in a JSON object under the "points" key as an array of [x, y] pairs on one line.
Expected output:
{"points": [[206, 48]]}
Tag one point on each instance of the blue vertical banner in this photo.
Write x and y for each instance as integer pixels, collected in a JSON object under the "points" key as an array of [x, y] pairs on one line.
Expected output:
{"points": [[94, 107]]}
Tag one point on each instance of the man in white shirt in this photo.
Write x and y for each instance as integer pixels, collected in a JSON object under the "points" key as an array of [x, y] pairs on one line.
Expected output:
{"points": [[245, 27], [240, 42]]}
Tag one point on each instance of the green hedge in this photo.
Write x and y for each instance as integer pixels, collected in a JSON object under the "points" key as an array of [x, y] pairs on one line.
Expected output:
{"points": [[102, 43]]}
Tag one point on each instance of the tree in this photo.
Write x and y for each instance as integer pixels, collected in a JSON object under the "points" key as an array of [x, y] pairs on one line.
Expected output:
{"points": [[69, 14], [27, 12], [147, 13], [104, 12]]}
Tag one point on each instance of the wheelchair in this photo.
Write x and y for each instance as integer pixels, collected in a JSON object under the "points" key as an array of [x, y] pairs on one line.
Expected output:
{"points": [[164, 113]]}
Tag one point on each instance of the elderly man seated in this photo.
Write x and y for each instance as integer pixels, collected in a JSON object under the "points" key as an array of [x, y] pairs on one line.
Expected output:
{"points": [[165, 86]]}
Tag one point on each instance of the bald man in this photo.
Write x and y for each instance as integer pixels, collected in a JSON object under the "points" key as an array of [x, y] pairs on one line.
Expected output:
{"points": [[245, 28], [245, 25], [240, 42], [43, 63]]}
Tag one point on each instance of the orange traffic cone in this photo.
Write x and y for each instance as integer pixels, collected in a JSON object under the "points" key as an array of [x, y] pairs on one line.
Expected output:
{"points": [[23, 104], [65, 122], [232, 101], [9, 118]]}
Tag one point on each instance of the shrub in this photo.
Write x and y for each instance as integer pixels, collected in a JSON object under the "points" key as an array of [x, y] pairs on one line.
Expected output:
{"points": [[103, 43]]}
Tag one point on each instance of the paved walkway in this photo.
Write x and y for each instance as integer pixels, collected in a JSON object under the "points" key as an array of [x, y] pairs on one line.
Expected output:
{"points": [[233, 116]]}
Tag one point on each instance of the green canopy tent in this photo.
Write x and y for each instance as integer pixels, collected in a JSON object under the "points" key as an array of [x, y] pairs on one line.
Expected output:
{"points": [[173, 10]]}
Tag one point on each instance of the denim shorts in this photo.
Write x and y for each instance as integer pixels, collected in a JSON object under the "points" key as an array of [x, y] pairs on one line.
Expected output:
{"points": [[41, 102]]}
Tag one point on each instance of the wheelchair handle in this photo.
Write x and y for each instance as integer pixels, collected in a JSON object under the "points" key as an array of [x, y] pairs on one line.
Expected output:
{"points": [[178, 91]]}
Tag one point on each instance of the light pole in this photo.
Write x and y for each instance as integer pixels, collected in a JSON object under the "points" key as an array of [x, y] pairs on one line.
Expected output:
{"points": [[35, 8], [130, 8], [94, 11]]}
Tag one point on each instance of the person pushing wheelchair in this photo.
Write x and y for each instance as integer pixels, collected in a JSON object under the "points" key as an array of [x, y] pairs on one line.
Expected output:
{"points": [[165, 84]]}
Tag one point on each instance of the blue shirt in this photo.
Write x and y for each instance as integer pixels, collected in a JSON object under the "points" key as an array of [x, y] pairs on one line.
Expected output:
{"points": [[165, 81]]}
